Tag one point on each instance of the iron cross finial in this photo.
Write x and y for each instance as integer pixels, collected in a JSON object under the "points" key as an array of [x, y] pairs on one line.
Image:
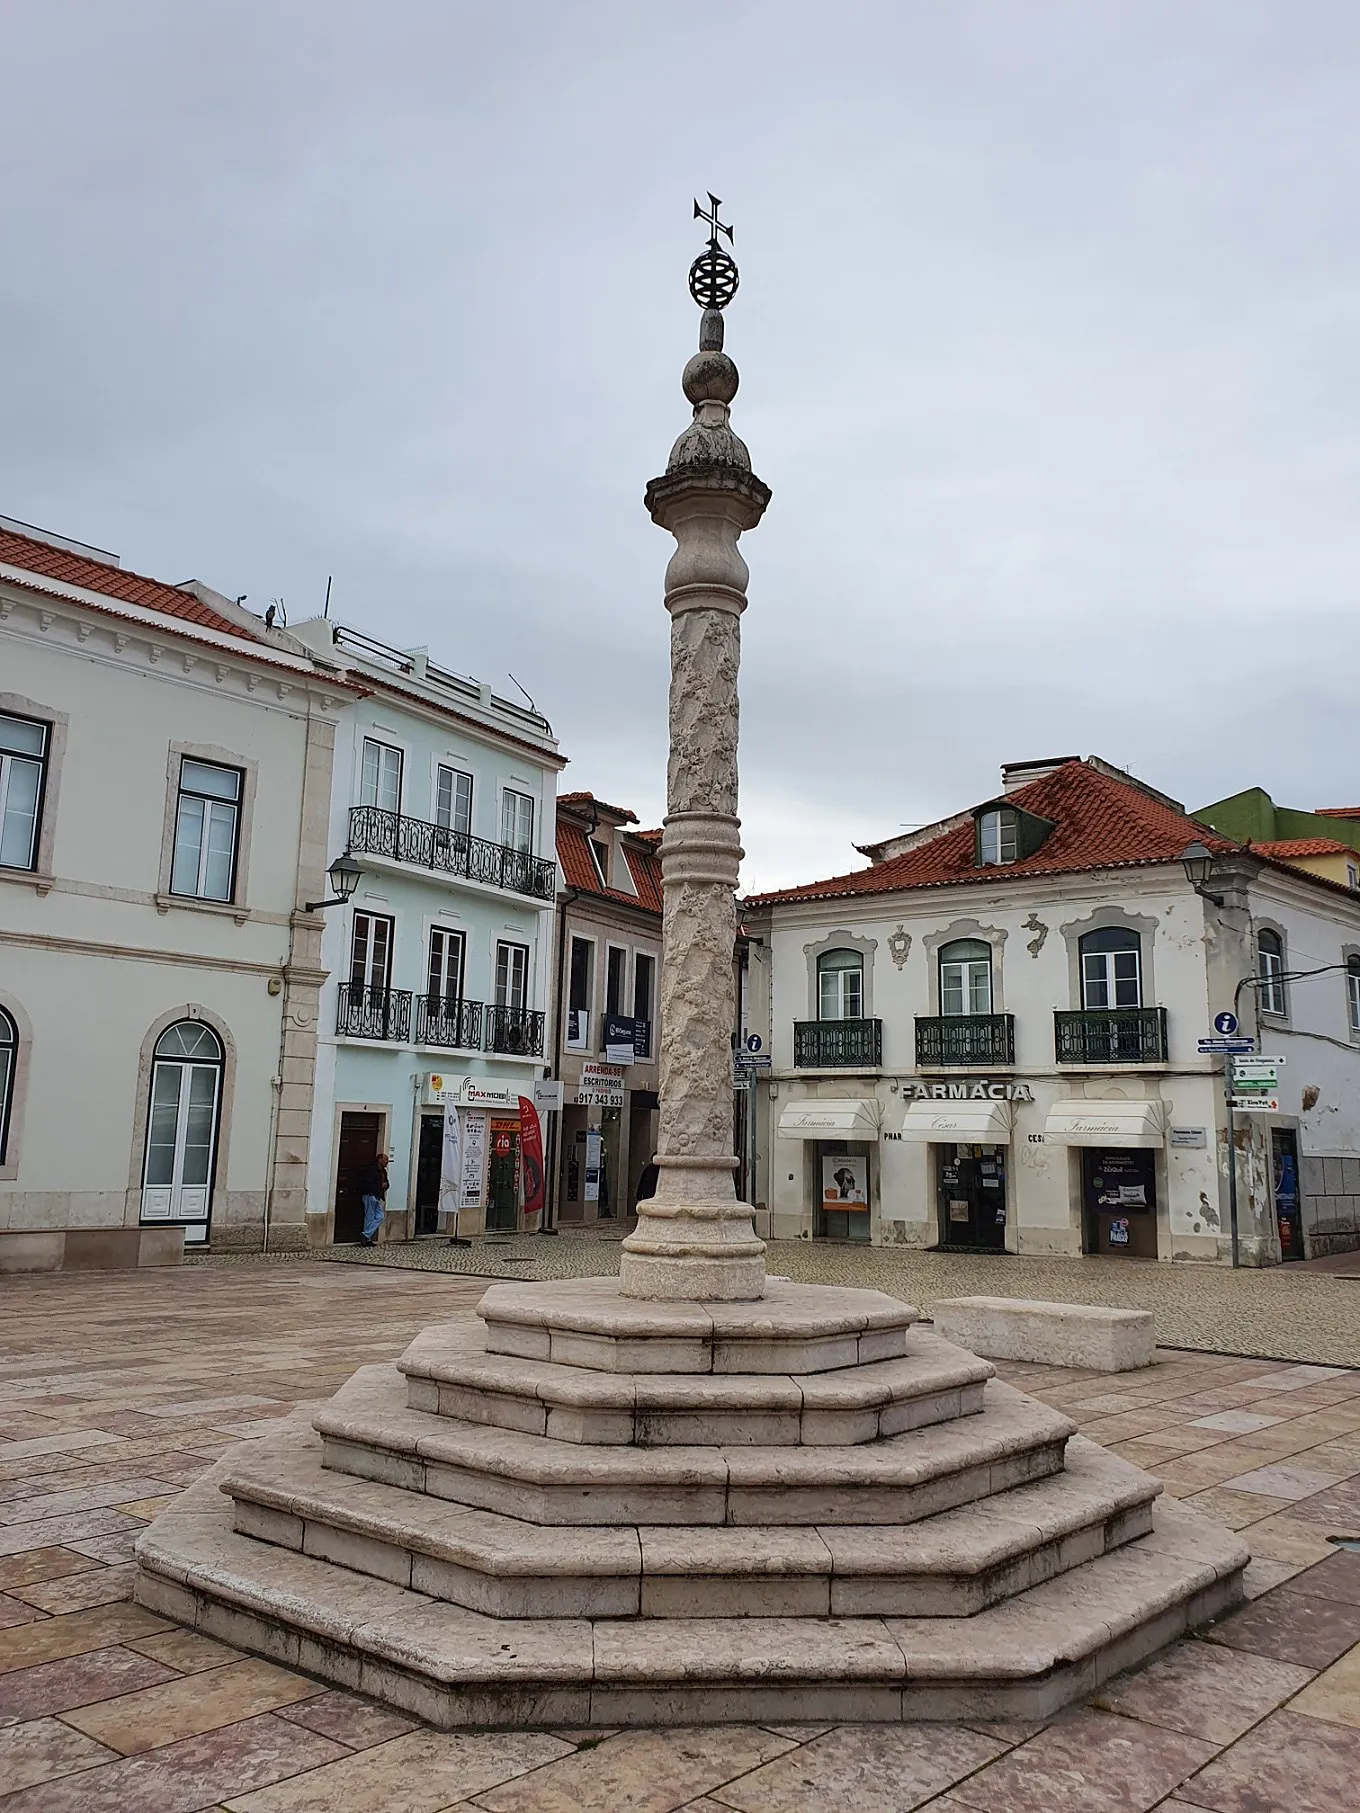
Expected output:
{"points": [[711, 216]]}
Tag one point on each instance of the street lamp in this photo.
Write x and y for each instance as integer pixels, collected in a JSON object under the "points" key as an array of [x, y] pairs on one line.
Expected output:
{"points": [[1198, 862], [344, 875]]}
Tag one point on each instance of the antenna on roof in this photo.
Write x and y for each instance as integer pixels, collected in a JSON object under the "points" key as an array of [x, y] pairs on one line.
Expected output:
{"points": [[276, 611], [326, 608], [515, 682]]}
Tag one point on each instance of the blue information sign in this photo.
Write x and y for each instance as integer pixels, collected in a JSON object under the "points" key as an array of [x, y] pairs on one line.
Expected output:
{"points": [[1226, 1024]]}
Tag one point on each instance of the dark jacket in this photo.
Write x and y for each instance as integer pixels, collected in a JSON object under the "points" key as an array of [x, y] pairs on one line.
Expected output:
{"points": [[373, 1181]]}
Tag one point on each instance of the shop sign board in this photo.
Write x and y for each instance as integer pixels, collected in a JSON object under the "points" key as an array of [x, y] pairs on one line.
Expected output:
{"points": [[845, 1183], [601, 1086], [969, 1089], [1256, 1104], [547, 1096], [470, 1091], [620, 1038]]}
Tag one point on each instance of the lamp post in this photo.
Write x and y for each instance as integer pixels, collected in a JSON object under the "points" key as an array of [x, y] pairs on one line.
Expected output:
{"points": [[344, 875], [1198, 861]]}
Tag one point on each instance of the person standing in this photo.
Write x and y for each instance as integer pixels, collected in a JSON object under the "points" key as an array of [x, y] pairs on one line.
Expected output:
{"points": [[373, 1189]]}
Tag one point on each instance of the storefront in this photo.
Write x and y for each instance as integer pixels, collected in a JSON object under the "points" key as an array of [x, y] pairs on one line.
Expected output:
{"points": [[1119, 1142], [969, 1139], [495, 1182], [839, 1139]]}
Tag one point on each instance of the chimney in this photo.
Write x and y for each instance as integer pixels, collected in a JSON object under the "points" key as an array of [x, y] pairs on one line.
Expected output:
{"points": [[1020, 774]]}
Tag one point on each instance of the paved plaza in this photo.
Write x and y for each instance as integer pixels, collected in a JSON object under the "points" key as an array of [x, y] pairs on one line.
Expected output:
{"points": [[116, 1391]]}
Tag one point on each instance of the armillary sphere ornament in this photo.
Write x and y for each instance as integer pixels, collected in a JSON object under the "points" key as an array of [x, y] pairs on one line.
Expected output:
{"points": [[713, 276]]}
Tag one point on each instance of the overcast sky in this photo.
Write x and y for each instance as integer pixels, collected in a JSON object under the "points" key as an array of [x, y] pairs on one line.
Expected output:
{"points": [[1049, 333]]}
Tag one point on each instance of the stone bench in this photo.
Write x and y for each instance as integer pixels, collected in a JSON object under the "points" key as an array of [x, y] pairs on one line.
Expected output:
{"points": [[1049, 1334]]}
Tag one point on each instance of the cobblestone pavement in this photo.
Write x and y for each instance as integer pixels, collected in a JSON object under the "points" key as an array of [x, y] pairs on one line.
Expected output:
{"points": [[1282, 1312], [117, 1390]]}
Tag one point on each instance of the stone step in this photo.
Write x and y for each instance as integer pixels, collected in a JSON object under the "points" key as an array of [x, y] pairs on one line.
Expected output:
{"points": [[947, 1566], [1024, 1658], [793, 1328], [449, 1373], [369, 1431]]}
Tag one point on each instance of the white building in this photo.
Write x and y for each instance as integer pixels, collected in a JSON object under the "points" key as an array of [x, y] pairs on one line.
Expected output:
{"points": [[989, 1037], [164, 776], [440, 966]]}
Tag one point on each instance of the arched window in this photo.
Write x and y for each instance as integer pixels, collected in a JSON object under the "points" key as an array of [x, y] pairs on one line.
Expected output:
{"points": [[1353, 993], [1270, 971], [840, 986], [1111, 968], [181, 1129], [9, 1062], [998, 840], [966, 977]]}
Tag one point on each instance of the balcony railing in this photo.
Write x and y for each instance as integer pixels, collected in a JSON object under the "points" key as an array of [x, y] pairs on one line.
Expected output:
{"points": [[837, 1044], [455, 1025], [373, 832], [373, 1013], [1111, 1035], [978, 1039], [515, 1030]]}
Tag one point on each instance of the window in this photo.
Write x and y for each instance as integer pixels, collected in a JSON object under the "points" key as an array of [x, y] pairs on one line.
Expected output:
{"points": [[1270, 971], [1352, 998], [206, 822], [512, 976], [453, 800], [370, 960], [380, 780], [181, 1130], [517, 821], [966, 977], [1111, 969], [578, 995], [599, 855], [616, 971], [997, 837], [23, 769], [1353, 877], [9, 1061], [644, 974], [840, 985], [445, 974]]}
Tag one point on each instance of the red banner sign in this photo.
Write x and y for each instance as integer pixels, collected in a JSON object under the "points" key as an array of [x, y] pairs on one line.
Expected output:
{"points": [[531, 1154]]}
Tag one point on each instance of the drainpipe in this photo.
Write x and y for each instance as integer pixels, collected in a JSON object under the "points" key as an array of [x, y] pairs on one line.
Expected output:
{"points": [[548, 1225]]}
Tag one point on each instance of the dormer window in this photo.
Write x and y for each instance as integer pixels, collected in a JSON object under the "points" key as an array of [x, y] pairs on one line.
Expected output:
{"points": [[599, 855], [998, 838]]}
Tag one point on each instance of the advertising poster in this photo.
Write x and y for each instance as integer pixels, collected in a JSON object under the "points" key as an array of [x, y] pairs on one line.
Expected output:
{"points": [[531, 1156], [594, 1160], [845, 1182], [474, 1159]]}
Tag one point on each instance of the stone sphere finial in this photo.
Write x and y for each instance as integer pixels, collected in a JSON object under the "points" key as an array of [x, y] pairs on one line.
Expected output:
{"points": [[710, 377]]}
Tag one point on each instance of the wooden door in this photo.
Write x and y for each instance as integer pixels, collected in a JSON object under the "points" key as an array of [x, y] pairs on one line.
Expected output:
{"points": [[359, 1134]]}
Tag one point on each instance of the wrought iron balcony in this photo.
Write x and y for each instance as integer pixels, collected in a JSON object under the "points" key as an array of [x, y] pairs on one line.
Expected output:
{"points": [[373, 1013], [975, 1039], [454, 1025], [515, 1030], [373, 832], [1111, 1035], [837, 1044]]}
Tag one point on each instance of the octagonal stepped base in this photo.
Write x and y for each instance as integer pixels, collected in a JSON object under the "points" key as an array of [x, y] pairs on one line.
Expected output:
{"points": [[950, 1565], [456, 1668], [368, 1430], [450, 1373], [793, 1328]]}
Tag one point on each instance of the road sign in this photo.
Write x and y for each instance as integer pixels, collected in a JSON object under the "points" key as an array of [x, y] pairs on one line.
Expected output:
{"points": [[752, 1060], [1256, 1104], [754, 1042], [1226, 1047], [1226, 1024], [1256, 1066], [1256, 1085]]}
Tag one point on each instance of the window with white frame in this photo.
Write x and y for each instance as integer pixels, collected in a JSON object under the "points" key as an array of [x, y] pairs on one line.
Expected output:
{"points": [[207, 825], [966, 977], [599, 856], [1353, 994], [644, 988], [840, 985], [1270, 971], [1353, 877], [444, 973], [1111, 968], [512, 976], [517, 821], [380, 776], [997, 837], [23, 771], [453, 800], [580, 980], [9, 1064]]}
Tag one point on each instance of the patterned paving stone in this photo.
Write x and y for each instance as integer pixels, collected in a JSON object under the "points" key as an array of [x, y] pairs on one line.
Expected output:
{"points": [[1204, 1690], [41, 1564], [883, 1769], [76, 1592], [73, 1634], [1292, 1627], [30, 1693], [1288, 1764], [153, 1716], [642, 1771], [1087, 1762], [354, 1721], [42, 1750], [420, 1773]]}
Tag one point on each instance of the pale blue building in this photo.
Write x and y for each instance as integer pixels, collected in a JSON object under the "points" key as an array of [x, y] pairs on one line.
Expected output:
{"points": [[439, 966]]}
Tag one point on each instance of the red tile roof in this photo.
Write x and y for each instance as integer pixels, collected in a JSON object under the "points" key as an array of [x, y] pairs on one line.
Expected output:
{"points": [[47, 562], [1336, 811], [1303, 846], [578, 868], [1100, 822], [589, 799]]}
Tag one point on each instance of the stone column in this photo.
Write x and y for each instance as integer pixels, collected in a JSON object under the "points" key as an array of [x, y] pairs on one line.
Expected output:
{"points": [[694, 1240]]}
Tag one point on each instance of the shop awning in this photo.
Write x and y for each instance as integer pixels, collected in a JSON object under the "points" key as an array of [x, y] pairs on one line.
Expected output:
{"points": [[980, 1123], [1084, 1122], [814, 1118]]}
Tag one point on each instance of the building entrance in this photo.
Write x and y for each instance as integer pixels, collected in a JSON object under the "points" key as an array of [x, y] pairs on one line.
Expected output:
{"points": [[359, 1136], [429, 1168], [502, 1183], [971, 1183], [1119, 1196], [1284, 1151]]}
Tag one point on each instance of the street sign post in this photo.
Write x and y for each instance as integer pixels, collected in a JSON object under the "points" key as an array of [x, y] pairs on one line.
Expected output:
{"points": [[1227, 1048], [1225, 1023], [1255, 1104]]}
